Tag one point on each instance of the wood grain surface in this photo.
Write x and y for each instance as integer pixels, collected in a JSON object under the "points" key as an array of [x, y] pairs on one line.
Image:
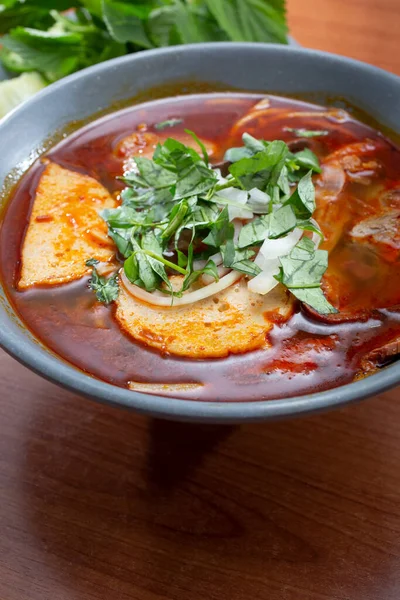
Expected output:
{"points": [[100, 504]]}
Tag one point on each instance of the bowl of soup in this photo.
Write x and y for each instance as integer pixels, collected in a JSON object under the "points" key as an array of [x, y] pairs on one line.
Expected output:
{"points": [[206, 232]]}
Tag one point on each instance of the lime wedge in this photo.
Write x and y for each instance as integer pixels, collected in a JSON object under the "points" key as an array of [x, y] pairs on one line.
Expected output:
{"points": [[14, 91]]}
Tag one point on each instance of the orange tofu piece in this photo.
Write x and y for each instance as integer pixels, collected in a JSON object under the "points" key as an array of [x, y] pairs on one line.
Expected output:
{"points": [[233, 321], [65, 228]]}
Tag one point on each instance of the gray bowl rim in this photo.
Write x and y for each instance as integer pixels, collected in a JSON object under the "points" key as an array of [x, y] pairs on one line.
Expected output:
{"points": [[56, 370]]}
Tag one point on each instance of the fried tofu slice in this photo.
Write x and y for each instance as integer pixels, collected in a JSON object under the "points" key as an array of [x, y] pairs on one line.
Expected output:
{"points": [[65, 228], [231, 322]]}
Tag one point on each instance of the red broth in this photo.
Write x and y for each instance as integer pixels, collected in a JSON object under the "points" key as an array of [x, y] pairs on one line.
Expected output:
{"points": [[307, 354]]}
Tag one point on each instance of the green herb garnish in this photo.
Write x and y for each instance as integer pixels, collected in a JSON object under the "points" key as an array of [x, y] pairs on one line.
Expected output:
{"points": [[106, 290], [176, 210], [168, 123], [301, 272]]}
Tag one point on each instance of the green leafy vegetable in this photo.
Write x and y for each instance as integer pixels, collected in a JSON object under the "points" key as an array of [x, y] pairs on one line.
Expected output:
{"points": [[302, 270], [106, 290], [304, 266], [154, 248], [262, 170], [194, 181], [302, 201], [148, 277], [306, 159], [220, 231], [131, 269], [239, 259], [126, 22], [243, 20], [176, 213], [53, 54], [281, 221], [191, 278], [152, 175], [168, 123], [315, 298], [68, 45], [162, 26], [270, 166], [28, 13], [122, 239], [235, 154], [60, 37], [253, 144], [176, 219], [200, 144], [255, 232]]}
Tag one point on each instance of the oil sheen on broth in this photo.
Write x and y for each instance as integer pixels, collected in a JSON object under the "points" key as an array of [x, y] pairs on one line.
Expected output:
{"points": [[358, 208]]}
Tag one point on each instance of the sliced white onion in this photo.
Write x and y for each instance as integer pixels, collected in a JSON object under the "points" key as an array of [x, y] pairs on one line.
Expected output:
{"points": [[262, 104], [331, 182], [238, 226], [187, 298], [338, 115], [239, 197], [220, 178], [222, 271], [258, 201], [274, 248], [316, 239], [264, 282], [245, 123]]}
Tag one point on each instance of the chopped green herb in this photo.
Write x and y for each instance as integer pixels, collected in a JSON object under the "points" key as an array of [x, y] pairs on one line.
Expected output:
{"points": [[176, 219], [220, 231], [302, 201], [175, 209], [106, 290], [255, 232], [191, 278], [262, 170], [239, 259], [149, 278], [304, 266], [131, 269], [168, 123], [152, 175], [315, 298], [302, 270], [281, 221], [306, 159], [235, 154], [289, 167], [200, 143]]}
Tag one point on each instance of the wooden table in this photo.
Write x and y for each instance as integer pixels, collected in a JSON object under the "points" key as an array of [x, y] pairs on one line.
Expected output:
{"points": [[100, 504]]}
